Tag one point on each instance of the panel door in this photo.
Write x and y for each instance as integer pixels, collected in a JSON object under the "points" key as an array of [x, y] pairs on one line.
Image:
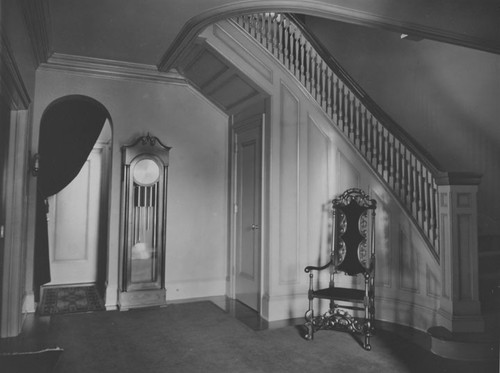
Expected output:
{"points": [[73, 226], [248, 213]]}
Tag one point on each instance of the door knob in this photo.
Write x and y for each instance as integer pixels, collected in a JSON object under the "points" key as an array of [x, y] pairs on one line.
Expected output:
{"points": [[255, 226]]}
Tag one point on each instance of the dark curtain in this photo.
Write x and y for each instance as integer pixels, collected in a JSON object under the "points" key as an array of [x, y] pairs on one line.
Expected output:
{"points": [[68, 131]]}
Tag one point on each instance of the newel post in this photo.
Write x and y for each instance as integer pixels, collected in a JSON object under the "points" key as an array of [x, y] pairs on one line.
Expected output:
{"points": [[460, 308]]}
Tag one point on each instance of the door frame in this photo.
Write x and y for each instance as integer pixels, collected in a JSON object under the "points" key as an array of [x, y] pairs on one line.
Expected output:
{"points": [[231, 291], [102, 147]]}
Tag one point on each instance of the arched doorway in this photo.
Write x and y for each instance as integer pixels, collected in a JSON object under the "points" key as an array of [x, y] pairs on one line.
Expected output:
{"points": [[72, 208], [77, 220]]}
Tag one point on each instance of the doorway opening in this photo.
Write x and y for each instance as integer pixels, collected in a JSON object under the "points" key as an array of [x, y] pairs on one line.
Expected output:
{"points": [[73, 195], [77, 221], [247, 217]]}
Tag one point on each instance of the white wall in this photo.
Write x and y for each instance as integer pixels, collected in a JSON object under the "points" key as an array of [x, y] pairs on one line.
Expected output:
{"points": [[197, 187]]}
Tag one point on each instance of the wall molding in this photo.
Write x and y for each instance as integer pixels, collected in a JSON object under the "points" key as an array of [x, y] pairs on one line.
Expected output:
{"points": [[102, 68], [289, 135], [38, 22], [13, 91]]}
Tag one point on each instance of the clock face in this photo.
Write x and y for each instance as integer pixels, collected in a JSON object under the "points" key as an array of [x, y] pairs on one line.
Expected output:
{"points": [[146, 172]]}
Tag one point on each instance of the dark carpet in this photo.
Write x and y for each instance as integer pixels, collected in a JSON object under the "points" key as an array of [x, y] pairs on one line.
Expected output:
{"points": [[200, 337], [30, 362], [70, 299]]}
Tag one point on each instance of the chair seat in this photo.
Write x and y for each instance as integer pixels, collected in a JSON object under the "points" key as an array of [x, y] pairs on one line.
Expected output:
{"points": [[346, 294]]}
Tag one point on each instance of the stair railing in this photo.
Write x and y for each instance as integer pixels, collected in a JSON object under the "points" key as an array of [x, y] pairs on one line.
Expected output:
{"points": [[408, 170]]}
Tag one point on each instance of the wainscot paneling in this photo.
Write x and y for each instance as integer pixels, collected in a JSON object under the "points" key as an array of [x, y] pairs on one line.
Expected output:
{"points": [[289, 212]]}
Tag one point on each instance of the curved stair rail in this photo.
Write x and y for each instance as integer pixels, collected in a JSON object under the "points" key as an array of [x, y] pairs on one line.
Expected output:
{"points": [[408, 170]]}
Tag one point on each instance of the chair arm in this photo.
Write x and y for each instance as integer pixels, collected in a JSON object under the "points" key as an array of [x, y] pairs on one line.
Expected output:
{"points": [[311, 268]]}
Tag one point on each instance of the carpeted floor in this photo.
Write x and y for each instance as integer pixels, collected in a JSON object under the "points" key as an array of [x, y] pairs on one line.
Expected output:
{"points": [[70, 299], [200, 337]]}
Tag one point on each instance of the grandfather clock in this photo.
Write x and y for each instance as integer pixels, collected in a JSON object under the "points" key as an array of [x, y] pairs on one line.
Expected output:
{"points": [[143, 223]]}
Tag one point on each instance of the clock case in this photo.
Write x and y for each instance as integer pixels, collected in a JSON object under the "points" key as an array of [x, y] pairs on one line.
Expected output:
{"points": [[143, 223]]}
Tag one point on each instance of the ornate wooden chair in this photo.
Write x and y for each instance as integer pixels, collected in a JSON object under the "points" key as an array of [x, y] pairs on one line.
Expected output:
{"points": [[353, 253]]}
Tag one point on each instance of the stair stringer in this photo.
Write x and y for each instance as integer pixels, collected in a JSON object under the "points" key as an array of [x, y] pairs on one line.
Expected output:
{"points": [[310, 162]]}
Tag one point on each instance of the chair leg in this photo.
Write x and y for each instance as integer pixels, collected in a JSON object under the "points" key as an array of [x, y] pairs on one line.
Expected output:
{"points": [[367, 346], [309, 316]]}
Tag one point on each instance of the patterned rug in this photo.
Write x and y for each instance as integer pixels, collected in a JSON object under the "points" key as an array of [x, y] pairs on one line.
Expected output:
{"points": [[26, 362], [56, 300]]}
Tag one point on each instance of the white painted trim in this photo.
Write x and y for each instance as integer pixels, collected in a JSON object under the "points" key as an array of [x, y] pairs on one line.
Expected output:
{"points": [[14, 265], [13, 89], [97, 67], [37, 19]]}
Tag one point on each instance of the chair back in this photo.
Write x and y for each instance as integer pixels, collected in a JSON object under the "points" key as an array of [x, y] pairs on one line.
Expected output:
{"points": [[353, 248]]}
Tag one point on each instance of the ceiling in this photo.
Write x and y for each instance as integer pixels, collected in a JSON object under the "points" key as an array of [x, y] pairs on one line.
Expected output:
{"points": [[147, 31]]}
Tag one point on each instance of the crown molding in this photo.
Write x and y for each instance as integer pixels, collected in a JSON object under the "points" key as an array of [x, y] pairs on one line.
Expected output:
{"points": [[38, 22], [195, 25], [110, 69], [13, 90]]}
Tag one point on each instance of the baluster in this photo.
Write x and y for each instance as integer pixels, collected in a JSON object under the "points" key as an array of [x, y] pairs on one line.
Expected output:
{"points": [[390, 156], [276, 40], [313, 77], [328, 86], [241, 20], [380, 149], [397, 165], [373, 141], [324, 89], [335, 108], [259, 27], [263, 32], [418, 191], [296, 69], [350, 119], [305, 64], [269, 36], [413, 186], [426, 215], [369, 136], [404, 178], [385, 140], [356, 123], [317, 74], [345, 109], [280, 40], [340, 107], [364, 134], [253, 24], [410, 183], [407, 181], [286, 46], [434, 214]]}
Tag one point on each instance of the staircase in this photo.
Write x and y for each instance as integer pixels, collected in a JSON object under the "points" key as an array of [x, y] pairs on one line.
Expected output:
{"points": [[433, 198], [415, 179], [406, 168]]}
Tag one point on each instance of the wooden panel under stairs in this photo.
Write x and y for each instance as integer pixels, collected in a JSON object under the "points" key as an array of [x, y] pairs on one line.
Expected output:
{"points": [[489, 272]]}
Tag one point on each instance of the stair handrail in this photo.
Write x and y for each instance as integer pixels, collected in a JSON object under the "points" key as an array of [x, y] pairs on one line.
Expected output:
{"points": [[411, 173]]}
